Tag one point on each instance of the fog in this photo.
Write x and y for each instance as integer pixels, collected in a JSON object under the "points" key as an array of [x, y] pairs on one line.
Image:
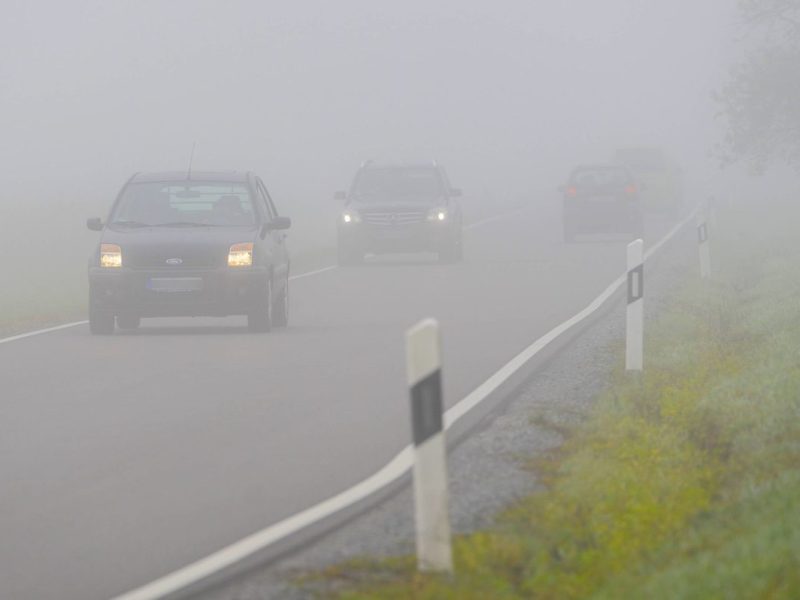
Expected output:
{"points": [[143, 451], [509, 97]]}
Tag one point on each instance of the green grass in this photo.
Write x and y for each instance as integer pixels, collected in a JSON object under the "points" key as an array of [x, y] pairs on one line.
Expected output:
{"points": [[684, 483]]}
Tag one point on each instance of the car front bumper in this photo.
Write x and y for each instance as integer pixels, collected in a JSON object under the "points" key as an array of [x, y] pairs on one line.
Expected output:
{"points": [[178, 292], [420, 237]]}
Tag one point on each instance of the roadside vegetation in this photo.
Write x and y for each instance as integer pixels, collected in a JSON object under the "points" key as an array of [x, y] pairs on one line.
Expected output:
{"points": [[681, 484]]}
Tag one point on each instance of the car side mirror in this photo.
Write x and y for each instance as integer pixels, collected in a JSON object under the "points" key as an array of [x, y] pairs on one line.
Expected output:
{"points": [[455, 192], [340, 195], [95, 224], [278, 223]]}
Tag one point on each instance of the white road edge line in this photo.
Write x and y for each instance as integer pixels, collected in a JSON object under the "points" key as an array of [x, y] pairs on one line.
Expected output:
{"points": [[22, 336], [391, 472]]}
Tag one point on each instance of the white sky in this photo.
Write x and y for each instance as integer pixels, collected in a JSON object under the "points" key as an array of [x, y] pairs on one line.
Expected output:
{"points": [[509, 95]]}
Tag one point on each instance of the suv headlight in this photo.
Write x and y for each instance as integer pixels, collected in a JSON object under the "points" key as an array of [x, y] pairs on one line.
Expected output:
{"points": [[350, 216], [437, 214], [241, 255], [110, 256]]}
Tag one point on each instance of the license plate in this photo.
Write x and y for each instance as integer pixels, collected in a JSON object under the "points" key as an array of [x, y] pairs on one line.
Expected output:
{"points": [[175, 284]]}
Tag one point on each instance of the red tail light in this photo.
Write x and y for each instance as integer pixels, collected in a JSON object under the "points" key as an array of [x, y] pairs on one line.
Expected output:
{"points": [[631, 189], [571, 191]]}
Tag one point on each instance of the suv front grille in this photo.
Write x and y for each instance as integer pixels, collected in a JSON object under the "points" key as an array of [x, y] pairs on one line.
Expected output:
{"points": [[394, 218]]}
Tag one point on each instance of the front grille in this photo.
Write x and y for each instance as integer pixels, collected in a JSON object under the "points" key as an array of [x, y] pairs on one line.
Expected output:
{"points": [[158, 259], [394, 218]]}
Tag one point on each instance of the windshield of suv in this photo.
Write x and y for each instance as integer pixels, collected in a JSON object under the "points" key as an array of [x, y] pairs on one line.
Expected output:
{"points": [[392, 183], [175, 204]]}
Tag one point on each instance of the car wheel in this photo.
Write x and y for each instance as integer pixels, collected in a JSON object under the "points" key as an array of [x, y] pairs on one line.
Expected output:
{"points": [[101, 322], [128, 321], [280, 311], [259, 320]]}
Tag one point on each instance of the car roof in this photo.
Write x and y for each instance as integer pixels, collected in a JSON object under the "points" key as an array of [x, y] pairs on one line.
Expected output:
{"points": [[165, 176]]}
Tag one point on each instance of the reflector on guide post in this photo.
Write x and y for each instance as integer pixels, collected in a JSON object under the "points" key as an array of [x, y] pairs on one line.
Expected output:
{"points": [[423, 360], [634, 318]]}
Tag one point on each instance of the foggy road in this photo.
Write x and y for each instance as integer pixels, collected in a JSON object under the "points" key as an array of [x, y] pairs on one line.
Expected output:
{"points": [[126, 457]]}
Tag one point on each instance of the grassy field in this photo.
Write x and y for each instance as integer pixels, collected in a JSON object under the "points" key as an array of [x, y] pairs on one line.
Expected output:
{"points": [[683, 484]]}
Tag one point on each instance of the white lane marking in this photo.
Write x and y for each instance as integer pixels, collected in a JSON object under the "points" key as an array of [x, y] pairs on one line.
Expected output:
{"points": [[488, 220], [310, 273], [22, 336], [391, 472]]}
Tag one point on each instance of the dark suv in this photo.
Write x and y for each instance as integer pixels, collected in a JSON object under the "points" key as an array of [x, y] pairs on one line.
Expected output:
{"points": [[400, 208], [602, 199], [190, 244]]}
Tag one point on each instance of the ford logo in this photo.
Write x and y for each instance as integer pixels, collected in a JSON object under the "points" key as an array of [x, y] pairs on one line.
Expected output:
{"points": [[174, 261]]}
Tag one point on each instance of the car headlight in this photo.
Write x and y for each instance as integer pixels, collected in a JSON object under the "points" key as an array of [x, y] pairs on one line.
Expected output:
{"points": [[241, 255], [110, 256], [437, 214], [350, 216]]}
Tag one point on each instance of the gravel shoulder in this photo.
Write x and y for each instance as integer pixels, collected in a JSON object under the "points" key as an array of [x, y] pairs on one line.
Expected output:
{"points": [[489, 469]]}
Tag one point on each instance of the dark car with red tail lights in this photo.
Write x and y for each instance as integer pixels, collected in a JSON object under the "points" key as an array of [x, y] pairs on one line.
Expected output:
{"points": [[602, 199]]}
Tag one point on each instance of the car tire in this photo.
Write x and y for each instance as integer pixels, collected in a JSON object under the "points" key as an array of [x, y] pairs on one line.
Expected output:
{"points": [[128, 321], [280, 310], [259, 320], [101, 322]]}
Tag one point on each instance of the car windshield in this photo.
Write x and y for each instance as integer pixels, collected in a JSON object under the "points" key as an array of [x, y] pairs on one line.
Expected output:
{"points": [[166, 204], [603, 178], [387, 184]]}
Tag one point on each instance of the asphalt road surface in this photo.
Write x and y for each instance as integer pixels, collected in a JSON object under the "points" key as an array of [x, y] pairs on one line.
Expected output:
{"points": [[126, 457]]}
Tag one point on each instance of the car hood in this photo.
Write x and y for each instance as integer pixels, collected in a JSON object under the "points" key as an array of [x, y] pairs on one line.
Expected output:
{"points": [[150, 247]]}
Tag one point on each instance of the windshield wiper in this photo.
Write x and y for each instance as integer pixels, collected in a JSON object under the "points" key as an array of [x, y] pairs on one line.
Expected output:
{"points": [[131, 224]]}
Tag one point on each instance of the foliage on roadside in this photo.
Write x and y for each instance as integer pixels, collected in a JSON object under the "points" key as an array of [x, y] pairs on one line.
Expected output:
{"points": [[683, 483], [760, 98]]}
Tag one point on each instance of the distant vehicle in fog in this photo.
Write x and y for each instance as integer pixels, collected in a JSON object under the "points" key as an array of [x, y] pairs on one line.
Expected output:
{"points": [[662, 177], [400, 208], [198, 244], [601, 199]]}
